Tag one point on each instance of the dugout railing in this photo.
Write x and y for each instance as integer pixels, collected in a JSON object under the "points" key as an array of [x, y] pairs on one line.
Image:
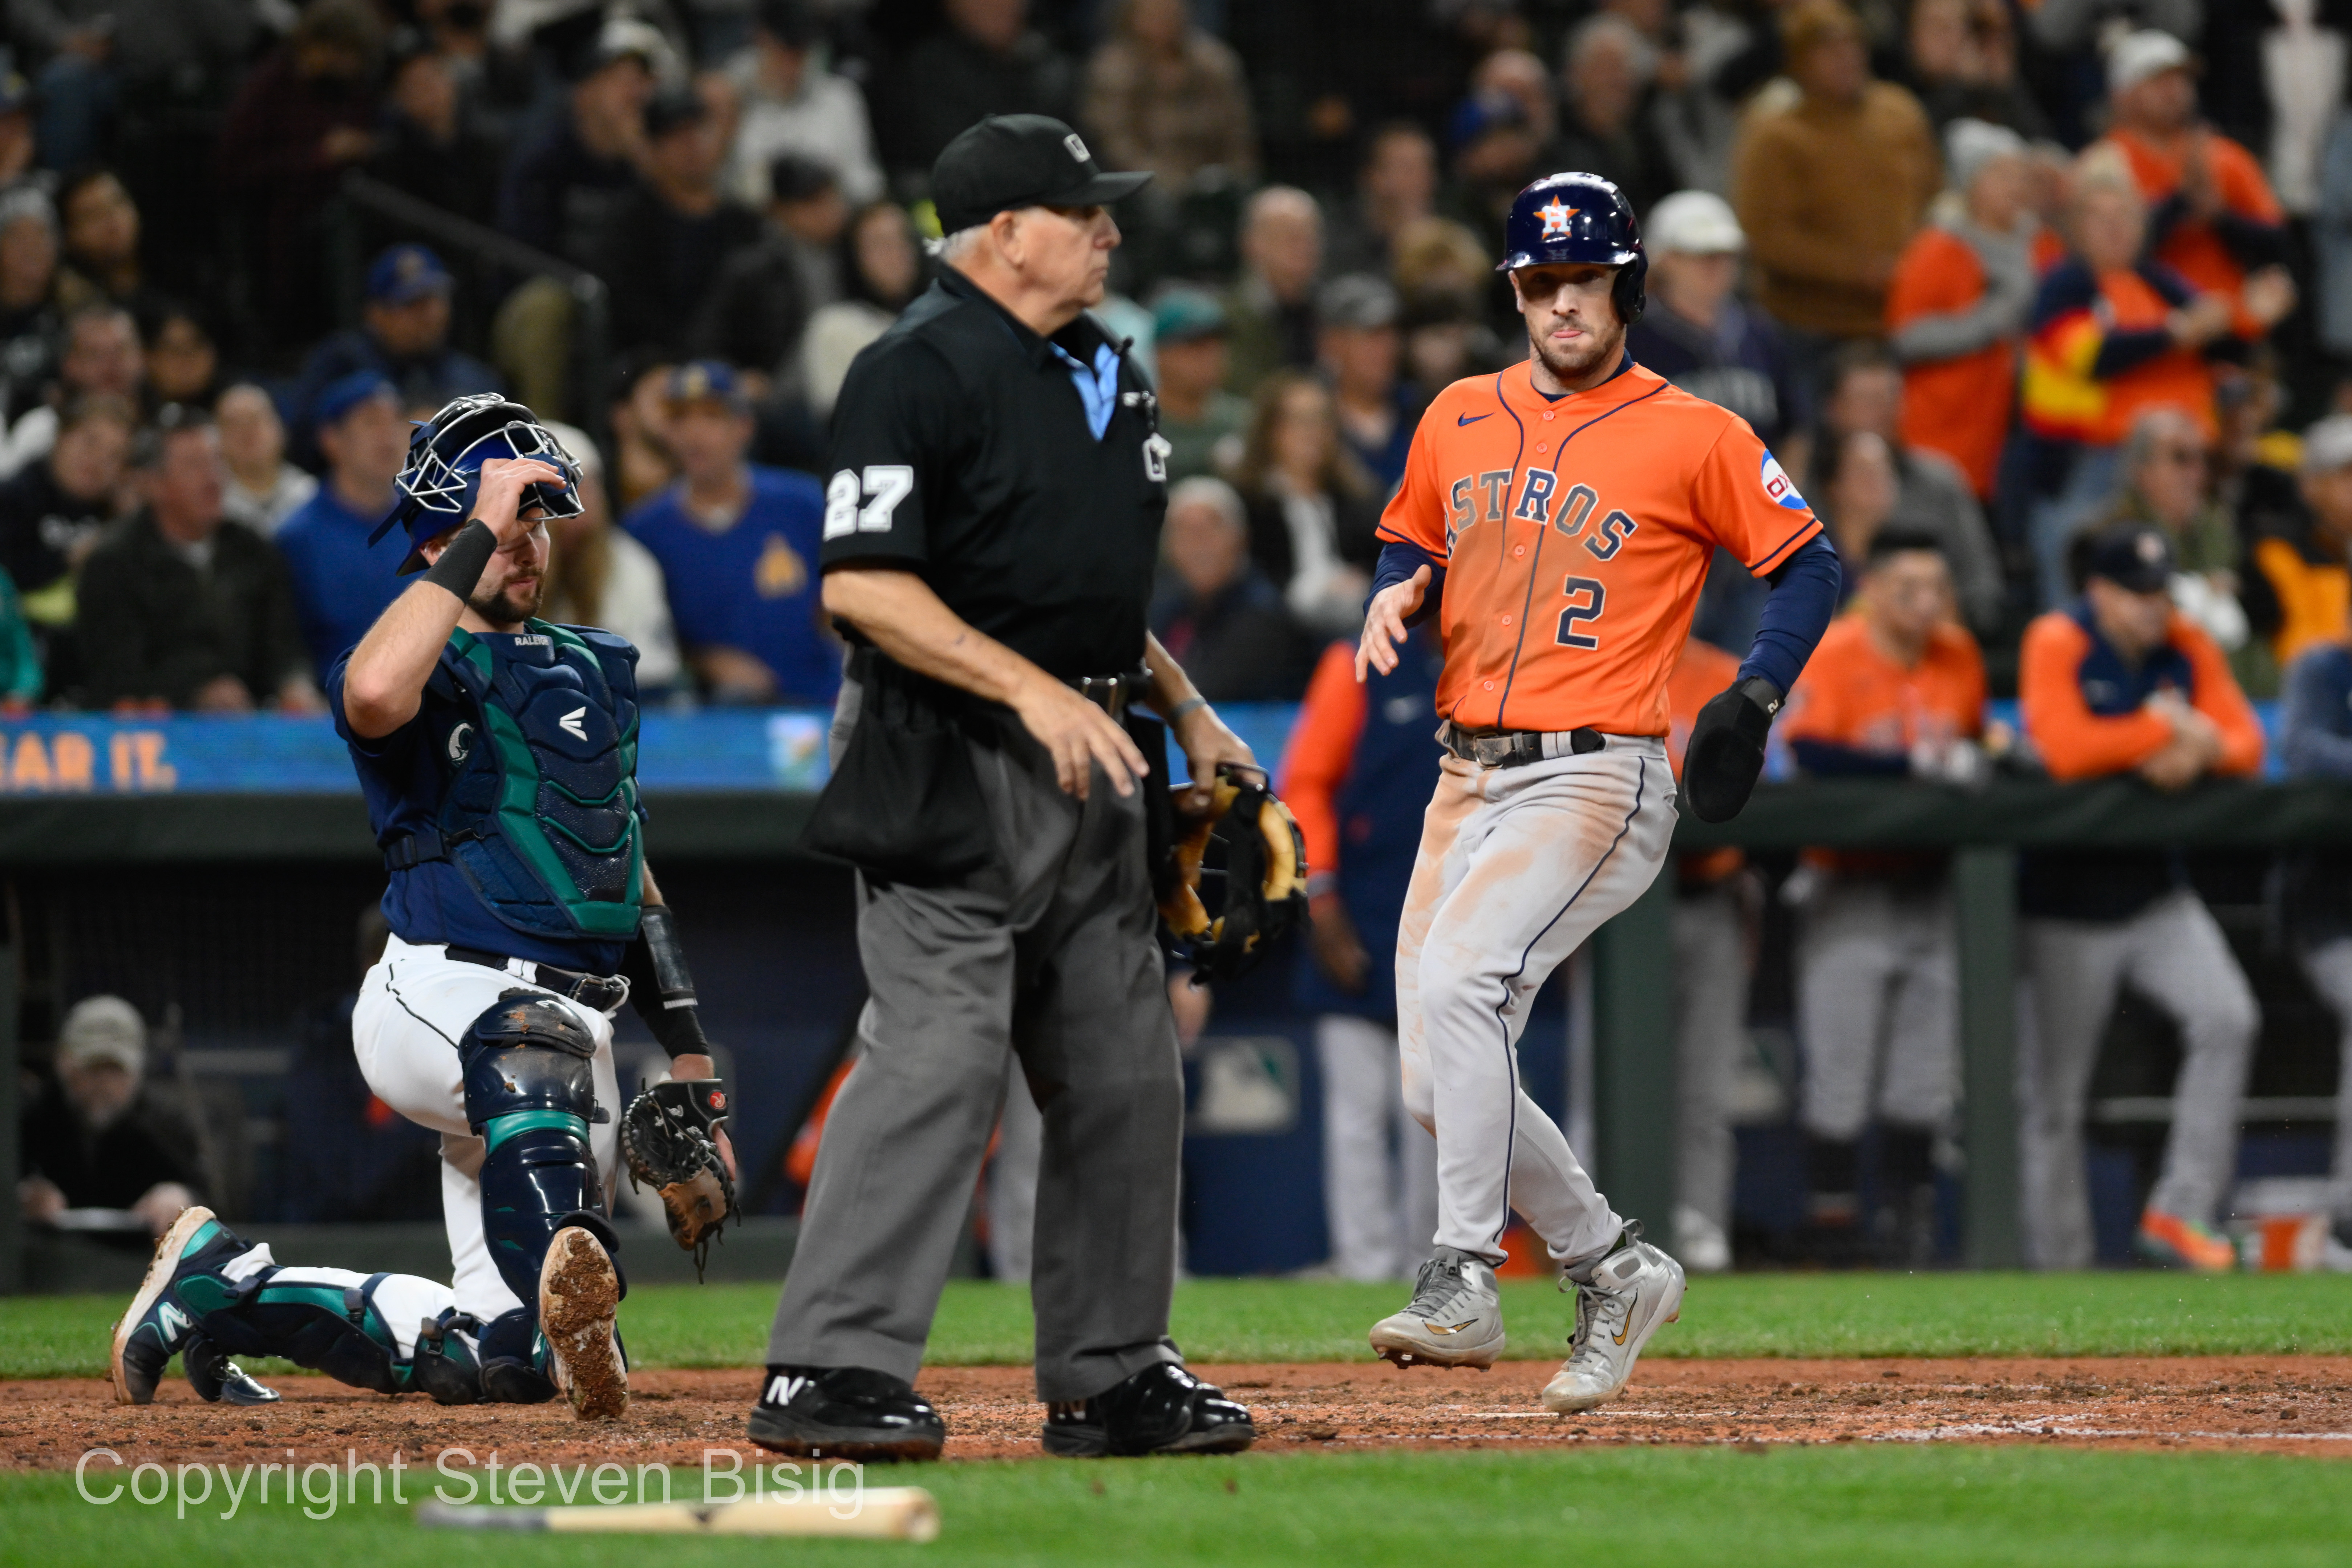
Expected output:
{"points": [[1634, 1088]]}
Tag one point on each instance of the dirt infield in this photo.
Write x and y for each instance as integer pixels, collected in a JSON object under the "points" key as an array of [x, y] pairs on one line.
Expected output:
{"points": [[2299, 1405]]}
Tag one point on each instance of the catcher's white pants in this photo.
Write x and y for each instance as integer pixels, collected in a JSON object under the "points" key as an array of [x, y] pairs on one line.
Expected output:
{"points": [[1380, 1166], [1518, 866], [414, 1007]]}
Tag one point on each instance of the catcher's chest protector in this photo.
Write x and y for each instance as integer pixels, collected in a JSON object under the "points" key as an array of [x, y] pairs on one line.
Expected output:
{"points": [[540, 734]]}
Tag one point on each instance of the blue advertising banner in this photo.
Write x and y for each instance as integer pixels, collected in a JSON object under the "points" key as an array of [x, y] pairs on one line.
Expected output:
{"points": [[731, 749], [724, 749]]}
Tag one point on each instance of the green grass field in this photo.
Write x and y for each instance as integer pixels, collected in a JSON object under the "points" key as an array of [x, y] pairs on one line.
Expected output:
{"points": [[1281, 1321], [1843, 1505]]}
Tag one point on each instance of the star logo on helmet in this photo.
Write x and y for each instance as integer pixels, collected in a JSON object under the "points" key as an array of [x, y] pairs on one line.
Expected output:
{"points": [[1555, 218]]}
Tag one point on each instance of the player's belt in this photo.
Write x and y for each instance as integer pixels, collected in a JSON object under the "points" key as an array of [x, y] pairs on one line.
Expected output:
{"points": [[602, 992], [1111, 694], [1516, 748]]}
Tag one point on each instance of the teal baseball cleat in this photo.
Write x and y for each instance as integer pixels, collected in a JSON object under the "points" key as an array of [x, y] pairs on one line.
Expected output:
{"points": [[162, 1320]]}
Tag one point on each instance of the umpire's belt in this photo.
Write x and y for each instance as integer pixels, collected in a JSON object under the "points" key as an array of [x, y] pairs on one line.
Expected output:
{"points": [[1516, 748], [1111, 694], [602, 993]]}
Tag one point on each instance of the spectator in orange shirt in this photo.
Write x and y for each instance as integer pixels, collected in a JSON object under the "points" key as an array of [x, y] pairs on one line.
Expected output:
{"points": [[2120, 682], [1895, 688], [2304, 590], [2114, 334], [1714, 955], [2211, 216], [1957, 311]]}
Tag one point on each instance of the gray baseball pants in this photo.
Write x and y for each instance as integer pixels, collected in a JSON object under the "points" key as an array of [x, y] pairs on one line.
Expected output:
{"points": [[1710, 1033], [1379, 1166], [2173, 954], [1050, 955], [1878, 1005], [2329, 965]]}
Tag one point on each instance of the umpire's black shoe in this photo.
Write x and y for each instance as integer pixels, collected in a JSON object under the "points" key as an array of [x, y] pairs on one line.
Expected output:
{"points": [[1163, 1409], [845, 1413]]}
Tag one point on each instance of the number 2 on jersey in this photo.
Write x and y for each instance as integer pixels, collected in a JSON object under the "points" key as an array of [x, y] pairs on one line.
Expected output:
{"points": [[1585, 598]]}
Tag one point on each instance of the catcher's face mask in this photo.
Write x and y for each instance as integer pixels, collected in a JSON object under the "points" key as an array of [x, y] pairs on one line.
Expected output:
{"points": [[437, 488]]}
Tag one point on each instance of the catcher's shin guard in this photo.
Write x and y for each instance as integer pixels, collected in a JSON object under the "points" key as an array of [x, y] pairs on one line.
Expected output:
{"points": [[531, 1095], [353, 1327]]}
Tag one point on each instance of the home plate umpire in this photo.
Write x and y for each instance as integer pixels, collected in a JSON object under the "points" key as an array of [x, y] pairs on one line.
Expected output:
{"points": [[992, 520]]}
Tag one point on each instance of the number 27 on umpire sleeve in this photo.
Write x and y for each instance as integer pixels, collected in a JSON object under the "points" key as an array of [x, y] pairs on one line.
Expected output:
{"points": [[885, 486], [1585, 598]]}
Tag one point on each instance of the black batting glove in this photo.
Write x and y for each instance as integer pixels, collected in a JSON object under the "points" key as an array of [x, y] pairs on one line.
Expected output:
{"points": [[1727, 748]]}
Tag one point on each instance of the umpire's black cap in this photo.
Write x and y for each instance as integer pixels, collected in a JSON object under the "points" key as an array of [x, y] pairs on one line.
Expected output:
{"points": [[1010, 161]]}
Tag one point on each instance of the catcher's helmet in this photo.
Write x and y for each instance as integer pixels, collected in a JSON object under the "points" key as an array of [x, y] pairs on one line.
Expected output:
{"points": [[1579, 218], [444, 468]]}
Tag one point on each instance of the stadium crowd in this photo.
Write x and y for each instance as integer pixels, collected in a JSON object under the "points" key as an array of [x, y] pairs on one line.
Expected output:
{"points": [[2047, 306]]}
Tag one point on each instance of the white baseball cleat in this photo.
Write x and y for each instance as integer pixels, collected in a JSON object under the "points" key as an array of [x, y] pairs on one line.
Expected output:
{"points": [[579, 1289], [1632, 1291], [1454, 1319]]}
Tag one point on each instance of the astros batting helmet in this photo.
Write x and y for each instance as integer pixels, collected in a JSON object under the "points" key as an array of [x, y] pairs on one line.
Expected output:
{"points": [[1579, 218], [445, 453]]}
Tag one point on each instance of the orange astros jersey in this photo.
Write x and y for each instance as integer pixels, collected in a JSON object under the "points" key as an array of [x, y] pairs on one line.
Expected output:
{"points": [[1576, 534]]}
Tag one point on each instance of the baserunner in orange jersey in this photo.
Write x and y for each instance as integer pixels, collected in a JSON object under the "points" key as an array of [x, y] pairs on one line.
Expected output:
{"points": [[1558, 519]]}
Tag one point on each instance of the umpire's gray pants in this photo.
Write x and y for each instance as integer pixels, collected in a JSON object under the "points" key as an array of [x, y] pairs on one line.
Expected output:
{"points": [[2173, 954], [2329, 965], [1052, 954]]}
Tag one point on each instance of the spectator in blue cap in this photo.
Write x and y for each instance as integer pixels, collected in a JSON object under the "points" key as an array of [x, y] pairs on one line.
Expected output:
{"points": [[402, 336], [342, 583], [738, 544]]}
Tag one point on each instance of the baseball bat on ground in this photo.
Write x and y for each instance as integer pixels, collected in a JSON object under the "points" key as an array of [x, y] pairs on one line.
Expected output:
{"points": [[884, 1513]]}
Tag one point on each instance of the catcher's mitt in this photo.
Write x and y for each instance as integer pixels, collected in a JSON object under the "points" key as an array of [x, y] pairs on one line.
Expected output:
{"points": [[667, 1138], [1265, 876]]}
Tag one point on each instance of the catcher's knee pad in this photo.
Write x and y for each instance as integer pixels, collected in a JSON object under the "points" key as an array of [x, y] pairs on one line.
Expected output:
{"points": [[529, 1093]]}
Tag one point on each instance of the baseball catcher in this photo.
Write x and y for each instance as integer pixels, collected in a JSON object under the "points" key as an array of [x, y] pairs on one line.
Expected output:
{"points": [[498, 753]]}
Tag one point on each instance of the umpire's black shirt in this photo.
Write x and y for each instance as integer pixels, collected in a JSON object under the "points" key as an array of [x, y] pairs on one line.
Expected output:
{"points": [[961, 451]]}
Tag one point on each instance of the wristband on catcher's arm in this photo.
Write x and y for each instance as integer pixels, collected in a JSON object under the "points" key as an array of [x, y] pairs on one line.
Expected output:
{"points": [[660, 986], [464, 559]]}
